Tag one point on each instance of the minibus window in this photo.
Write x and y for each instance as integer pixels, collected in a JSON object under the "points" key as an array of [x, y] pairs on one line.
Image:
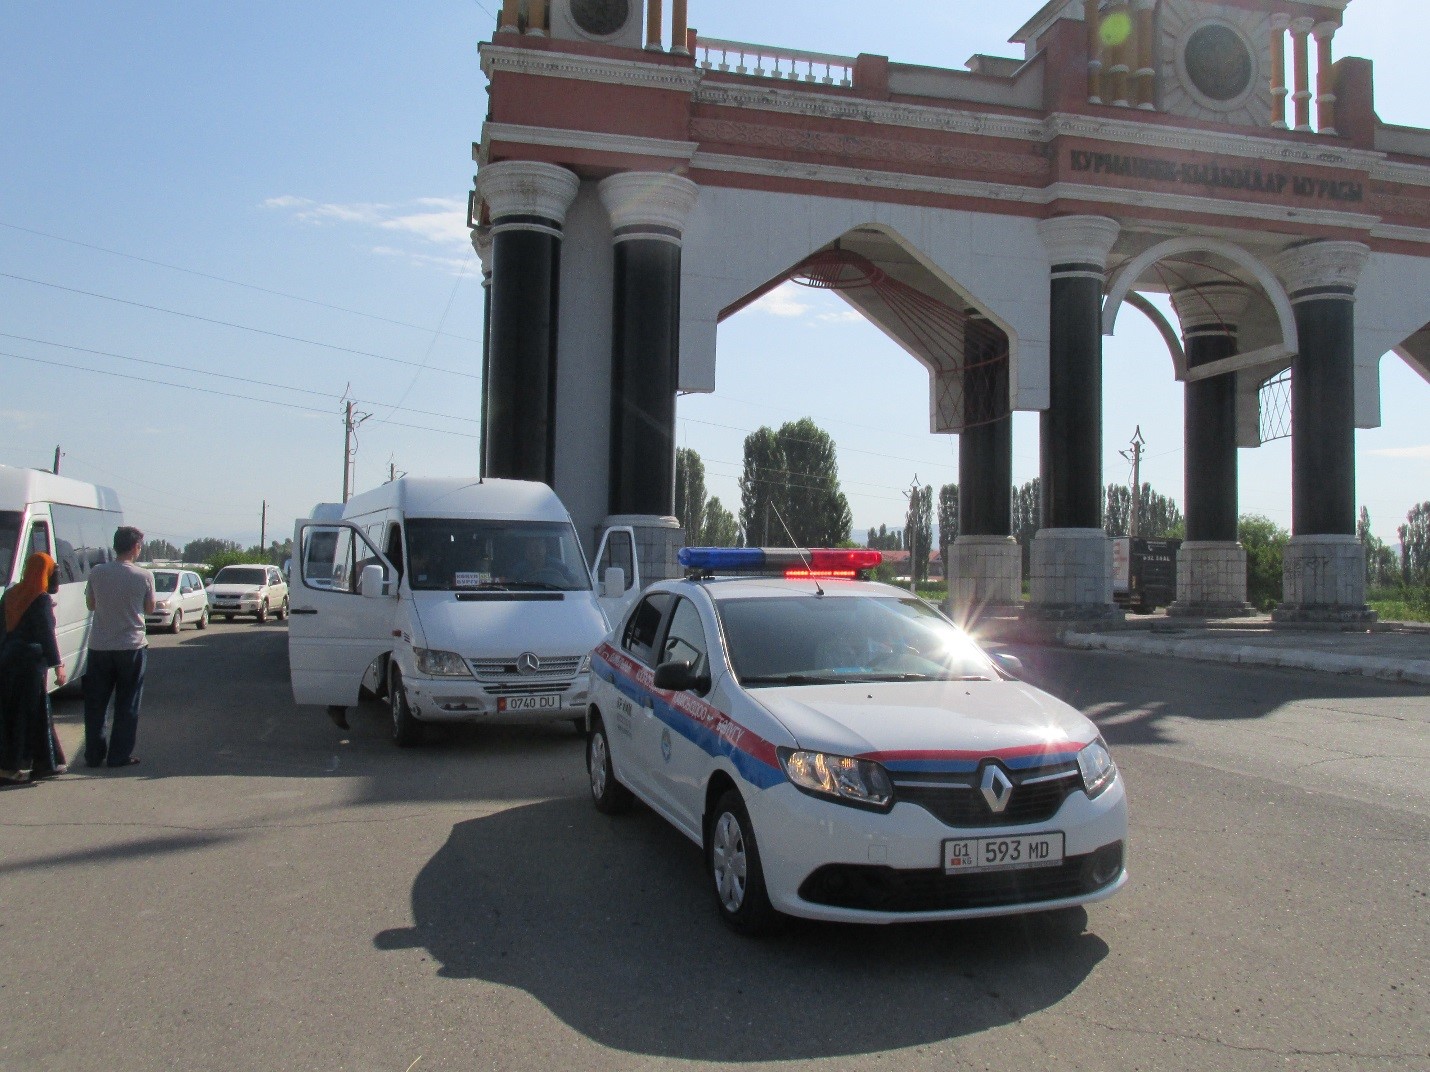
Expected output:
{"points": [[9, 541], [39, 538], [450, 554]]}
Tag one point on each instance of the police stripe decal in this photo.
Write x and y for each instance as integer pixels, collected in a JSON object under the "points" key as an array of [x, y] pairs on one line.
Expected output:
{"points": [[704, 725]]}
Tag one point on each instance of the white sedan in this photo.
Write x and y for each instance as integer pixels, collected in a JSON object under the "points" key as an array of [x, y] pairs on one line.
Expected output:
{"points": [[842, 752], [179, 597]]}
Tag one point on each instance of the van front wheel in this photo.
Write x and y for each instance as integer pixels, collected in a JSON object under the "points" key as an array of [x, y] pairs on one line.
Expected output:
{"points": [[406, 730]]}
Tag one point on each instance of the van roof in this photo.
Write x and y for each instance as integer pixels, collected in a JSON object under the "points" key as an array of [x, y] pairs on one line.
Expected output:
{"points": [[19, 487], [466, 497]]}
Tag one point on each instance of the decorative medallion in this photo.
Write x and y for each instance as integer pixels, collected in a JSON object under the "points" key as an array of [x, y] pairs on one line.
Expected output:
{"points": [[1212, 61], [600, 18], [1218, 62]]}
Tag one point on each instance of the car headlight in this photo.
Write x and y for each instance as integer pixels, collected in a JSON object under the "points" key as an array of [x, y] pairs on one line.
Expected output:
{"points": [[441, 663], [860, 782], [162, 604], [1098, 770]]}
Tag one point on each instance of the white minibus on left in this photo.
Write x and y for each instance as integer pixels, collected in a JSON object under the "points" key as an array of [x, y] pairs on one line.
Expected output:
{"points": [[72, 521]]}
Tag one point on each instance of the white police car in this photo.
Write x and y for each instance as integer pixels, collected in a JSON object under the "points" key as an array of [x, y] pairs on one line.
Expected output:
{"points": [[842, 752]]}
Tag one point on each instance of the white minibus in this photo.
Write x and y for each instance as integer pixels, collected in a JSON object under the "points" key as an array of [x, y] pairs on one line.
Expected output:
{"points": [[72, 521], [459, 600]]}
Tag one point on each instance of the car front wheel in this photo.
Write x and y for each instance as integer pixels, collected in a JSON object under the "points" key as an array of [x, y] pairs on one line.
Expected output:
{"points": [[733, 862], [262, 614], [406, 730], [609, 795]]}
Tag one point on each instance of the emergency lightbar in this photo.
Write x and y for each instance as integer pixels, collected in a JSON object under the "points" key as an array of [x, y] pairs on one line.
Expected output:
{"points": [[793, 562]]}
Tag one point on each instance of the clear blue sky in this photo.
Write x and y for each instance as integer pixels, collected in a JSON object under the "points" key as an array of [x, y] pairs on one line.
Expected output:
{"points": [[157, 155]]}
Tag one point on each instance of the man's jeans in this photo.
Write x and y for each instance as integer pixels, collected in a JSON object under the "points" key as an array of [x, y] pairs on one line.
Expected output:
{"points": [[119, 674]]}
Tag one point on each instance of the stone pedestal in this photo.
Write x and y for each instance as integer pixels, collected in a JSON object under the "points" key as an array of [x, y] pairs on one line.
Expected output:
{"points": [[1323, 581], [658, 542], [984, 573], [1071, 576], [1211, 580]]}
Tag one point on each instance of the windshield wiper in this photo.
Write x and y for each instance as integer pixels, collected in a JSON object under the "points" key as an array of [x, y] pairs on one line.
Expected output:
{"points": [[796, 679], [536, 586]]}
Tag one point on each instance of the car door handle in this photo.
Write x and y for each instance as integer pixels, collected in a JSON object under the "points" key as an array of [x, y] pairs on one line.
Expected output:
{"points": [[302, 610]]}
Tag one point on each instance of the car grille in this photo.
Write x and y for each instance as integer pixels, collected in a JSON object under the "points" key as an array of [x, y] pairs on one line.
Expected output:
{"points": [[886, 889], [955, 800], [560, 667], [529, 688]]}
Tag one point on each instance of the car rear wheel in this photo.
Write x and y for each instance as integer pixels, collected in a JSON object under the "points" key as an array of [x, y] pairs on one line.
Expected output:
{"points": [[283, 610], [176, 622], [203, 622], [262, 614], [733, 861], [406, 730], [609, 795]]}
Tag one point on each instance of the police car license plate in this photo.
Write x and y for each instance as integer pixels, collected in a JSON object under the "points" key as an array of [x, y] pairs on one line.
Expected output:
{"points": [[966, 855], [529, 703]]}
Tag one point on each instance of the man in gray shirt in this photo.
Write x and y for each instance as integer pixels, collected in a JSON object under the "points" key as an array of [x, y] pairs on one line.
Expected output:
{"points": [[120, 594]]}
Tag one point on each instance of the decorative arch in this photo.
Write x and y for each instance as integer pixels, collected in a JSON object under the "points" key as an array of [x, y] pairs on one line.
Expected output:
{"points": [[1126, 279]]}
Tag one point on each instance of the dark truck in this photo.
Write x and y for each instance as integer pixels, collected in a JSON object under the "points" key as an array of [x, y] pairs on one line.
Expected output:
{"points": [[1144, 573]]}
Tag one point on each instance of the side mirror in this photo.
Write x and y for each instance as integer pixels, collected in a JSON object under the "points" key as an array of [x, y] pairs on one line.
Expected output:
{"points": [[613, 584], [1010, 663], [676, 677], [372, 582]]}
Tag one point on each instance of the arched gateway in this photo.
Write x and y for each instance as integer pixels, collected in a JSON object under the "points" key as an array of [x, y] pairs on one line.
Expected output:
{"points": [[630, 194]]}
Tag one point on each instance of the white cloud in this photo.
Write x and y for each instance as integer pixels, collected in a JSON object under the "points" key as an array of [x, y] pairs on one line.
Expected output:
{"points": [[22, 420], [782, 301], [846, 316], [1419, 454], [441, 221]]}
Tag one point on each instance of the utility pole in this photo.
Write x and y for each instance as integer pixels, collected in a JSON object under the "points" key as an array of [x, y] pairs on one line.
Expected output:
{"points": [[263, 528], [913, 533], [58, 456], [1134, 455], [350, 426]]}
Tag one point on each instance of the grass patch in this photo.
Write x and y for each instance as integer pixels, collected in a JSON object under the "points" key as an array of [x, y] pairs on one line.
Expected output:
{"points": [[1401, 604]]}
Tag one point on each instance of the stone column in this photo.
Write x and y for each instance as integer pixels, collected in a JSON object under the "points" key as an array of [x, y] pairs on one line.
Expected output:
{"points": [[1071, 572], [1211, 564], [482, 243], [648, 213], [527, 202], [985, 565], [1323, 578]]}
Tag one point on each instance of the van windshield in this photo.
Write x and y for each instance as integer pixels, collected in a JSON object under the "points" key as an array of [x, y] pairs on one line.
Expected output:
{"points": [[9, 540], [449, 554]]}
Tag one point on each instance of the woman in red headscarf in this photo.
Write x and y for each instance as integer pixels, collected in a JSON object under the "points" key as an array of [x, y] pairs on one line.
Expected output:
{"points": [[28, 649]]}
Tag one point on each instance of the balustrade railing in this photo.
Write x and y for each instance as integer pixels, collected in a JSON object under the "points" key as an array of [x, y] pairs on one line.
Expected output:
{"points": [[781, 64]]}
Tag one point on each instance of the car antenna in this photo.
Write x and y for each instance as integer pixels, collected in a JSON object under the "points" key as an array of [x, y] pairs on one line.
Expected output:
{"points": [[795, 544]]}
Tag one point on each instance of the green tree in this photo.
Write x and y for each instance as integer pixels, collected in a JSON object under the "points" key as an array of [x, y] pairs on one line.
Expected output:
{"points": [[793, 474], [690, 495], [1158, 517], [207, 547], [1381, 567], [1027, 516], [884, 539], [718, 528], [1265, 544], [162, 551], [918, 532], [947, 519], [255, 556], [1415, 547]]}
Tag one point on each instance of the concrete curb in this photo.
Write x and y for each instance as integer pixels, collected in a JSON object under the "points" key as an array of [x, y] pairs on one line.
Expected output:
{"points": [[1404, 671]]}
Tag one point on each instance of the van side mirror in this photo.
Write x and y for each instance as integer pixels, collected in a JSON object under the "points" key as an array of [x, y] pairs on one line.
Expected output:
{"points": [[613, 584], [677, 677], [372, 583]]}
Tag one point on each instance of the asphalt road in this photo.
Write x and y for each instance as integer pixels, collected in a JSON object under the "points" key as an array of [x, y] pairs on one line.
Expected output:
{"points": [[265, 892]]}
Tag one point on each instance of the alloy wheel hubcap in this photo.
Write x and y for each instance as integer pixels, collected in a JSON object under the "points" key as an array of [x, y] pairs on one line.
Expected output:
{"points": [[598, 765], [728, 862]]}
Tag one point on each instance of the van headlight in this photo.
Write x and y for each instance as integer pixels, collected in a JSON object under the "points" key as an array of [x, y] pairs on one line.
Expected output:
{"points": [[1098, 770], [441, 663], [859, 782]]}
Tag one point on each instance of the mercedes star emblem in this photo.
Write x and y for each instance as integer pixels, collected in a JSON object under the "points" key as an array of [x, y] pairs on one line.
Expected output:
{"points": [[527, 663]]}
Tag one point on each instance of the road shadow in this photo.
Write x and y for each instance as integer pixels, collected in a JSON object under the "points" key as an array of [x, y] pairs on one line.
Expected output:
{"points": [[608, 922]]}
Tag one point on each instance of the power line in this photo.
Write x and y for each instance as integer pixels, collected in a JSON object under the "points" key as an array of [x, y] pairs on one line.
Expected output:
{"points": [[230, 324], [231, 282], [224, 376], [432, 343], [222, 394]]}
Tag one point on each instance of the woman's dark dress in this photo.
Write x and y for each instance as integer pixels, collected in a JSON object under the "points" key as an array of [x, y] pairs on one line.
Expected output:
{"points": [[27, 731]]}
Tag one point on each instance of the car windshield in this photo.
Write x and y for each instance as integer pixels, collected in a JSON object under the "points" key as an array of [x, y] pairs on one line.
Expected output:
{"points": [[9, 540], [254, 575], [832, 640], [165, 582], [446, 554]]}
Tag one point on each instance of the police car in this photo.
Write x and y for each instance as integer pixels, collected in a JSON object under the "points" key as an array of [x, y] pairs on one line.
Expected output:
{"points": [[842, 752]]}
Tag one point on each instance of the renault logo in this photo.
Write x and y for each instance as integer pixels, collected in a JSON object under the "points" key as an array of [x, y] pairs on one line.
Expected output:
{"points": [[997, 788], [527, 663]]}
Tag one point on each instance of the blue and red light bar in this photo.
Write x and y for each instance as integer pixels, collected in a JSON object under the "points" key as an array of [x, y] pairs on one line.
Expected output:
{"points": [[793, 562]]}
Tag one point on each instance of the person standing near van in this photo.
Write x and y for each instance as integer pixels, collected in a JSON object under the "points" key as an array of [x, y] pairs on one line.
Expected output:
{"points": [[120, 594], [28, 649]]}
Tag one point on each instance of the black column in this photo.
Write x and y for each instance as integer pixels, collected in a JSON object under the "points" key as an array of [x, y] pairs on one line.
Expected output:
{"points": [[1323, 475], [1071, 453], [1210, 462], [521, 368], [985, 446], [644, 372]]}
